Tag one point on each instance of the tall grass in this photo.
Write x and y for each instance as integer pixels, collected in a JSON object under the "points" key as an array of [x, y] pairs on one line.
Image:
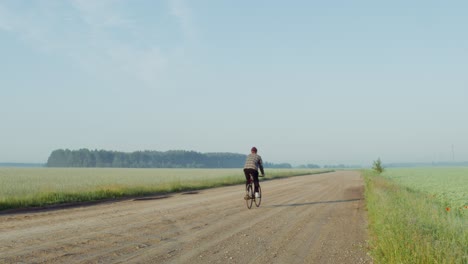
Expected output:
{"points": [[412, 226], [29, 187]]}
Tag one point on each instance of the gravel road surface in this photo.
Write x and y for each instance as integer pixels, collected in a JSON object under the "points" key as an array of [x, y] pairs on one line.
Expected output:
{"points": [[307, 219]]}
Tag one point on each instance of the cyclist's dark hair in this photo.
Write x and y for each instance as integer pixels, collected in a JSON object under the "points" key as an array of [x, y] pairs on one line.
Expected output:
{"points": [[254, 149]]}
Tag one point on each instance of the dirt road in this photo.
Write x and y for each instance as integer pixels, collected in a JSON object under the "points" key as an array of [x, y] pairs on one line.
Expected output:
{"points": [[307, 219]]}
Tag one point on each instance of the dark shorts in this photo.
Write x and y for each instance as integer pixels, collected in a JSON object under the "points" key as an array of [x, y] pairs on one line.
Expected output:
{"points": [[254, 173]]}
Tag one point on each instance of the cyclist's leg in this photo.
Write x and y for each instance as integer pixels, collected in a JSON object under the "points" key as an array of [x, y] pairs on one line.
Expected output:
{"points": [[247, 177], [255, 177], [247, 173]]}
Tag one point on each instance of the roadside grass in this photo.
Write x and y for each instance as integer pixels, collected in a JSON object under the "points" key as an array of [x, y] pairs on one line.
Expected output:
{"points": [[413, 226], [37, 187]]}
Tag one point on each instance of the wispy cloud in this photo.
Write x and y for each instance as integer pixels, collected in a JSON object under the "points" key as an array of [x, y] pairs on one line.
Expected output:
{"points": [[101, 14], [5, 19], [83, 31], [32, 24], [145, 64], [183, 13]]}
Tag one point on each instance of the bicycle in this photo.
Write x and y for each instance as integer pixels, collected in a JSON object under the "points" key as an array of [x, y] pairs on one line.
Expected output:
{"points": [[250, 194]]}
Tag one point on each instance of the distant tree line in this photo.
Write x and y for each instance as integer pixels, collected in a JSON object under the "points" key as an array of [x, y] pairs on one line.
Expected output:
{"points": [[341, 166], [148, 159], [427, 164], [309, 166], [276, 166], [21, 165]]}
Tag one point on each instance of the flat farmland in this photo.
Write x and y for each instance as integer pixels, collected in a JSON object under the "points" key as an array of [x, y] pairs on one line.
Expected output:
{"points": [[447, 185], [307, 219]]}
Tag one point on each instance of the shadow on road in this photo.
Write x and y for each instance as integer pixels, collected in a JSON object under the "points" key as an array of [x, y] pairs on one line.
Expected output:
{"points": [[312, 203], [152, 198]]}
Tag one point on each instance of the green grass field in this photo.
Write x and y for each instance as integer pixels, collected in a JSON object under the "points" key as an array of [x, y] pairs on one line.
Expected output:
{"points": [[29, 187], [447, 185], [418, 215]]}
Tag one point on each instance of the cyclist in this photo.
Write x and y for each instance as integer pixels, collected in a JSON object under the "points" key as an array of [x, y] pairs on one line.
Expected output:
{"points": [[252, 164]]}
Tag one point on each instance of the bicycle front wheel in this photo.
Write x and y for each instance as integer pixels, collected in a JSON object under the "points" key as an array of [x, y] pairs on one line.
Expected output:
{"points": [[250, 192]]}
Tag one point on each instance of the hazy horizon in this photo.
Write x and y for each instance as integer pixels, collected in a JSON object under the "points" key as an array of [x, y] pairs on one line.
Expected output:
{"points": [[303, 81], [369, 164]]}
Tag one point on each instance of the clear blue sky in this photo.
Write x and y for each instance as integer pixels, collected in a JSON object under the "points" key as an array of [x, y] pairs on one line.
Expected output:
{"points": [[322, 82]]}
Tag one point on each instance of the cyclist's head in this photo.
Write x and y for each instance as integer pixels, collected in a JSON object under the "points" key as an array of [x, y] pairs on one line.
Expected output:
{"points": [[254, 150]]}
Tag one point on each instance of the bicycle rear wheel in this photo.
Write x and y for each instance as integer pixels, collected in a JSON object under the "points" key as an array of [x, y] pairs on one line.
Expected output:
{"points": [[250, 192], [258, 200]]}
